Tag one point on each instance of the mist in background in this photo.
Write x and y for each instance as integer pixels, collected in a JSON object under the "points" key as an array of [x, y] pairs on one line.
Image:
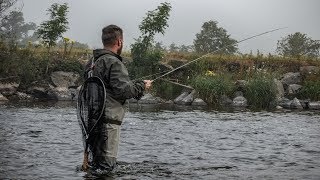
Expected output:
{"points": [[241, 19]]}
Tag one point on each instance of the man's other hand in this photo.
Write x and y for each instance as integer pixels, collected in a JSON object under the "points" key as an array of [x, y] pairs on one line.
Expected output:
{"points": [[147, 84]]}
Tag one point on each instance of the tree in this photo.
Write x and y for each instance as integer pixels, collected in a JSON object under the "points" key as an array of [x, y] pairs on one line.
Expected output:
{"points": [[173, 48], [156, 21], [213, 38], [297, 45], [143, 51], [5, 5], [14, 28], [49, 31]]}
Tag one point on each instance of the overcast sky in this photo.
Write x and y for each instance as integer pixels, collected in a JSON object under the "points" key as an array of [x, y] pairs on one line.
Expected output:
{"points": [[241, 19]]}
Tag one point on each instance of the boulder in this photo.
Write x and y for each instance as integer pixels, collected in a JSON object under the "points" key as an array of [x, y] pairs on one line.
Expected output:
{"points": [[198, 102], [240, 101], [150, 99], [186, 98], [241, 84], [23, 96], [294, 89], [291, 78], [225, 101], [2, 98], [279, 89], [295, 104], [309, 70], [285, 103], [314, 105], [8, 88], [65, 79], [64, 94], [42, 91]]}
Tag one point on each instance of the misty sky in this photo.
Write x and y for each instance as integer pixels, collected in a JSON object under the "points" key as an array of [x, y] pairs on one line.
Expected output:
{"points": [[241, 19]]}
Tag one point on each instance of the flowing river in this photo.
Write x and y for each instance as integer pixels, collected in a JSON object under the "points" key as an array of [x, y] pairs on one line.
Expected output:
{"points": [[43, 141]]}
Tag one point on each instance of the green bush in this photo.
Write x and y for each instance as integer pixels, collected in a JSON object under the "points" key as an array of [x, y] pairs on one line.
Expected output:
{"points": [[211, 88], [310, 90], [166, 90], [260, 91]]}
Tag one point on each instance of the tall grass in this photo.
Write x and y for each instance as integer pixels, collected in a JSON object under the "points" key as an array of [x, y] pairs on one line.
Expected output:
{"points": [[211, 88], [310, 90], [260, 91]]}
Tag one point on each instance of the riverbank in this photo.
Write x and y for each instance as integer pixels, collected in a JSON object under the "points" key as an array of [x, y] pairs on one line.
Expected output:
{"points": [[245, 81]]}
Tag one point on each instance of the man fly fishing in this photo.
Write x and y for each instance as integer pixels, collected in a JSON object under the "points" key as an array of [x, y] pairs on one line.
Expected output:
{"points": [[101, 102]]}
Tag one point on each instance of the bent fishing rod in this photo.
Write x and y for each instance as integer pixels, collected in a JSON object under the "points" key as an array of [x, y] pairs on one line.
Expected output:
{"points": [[195, 60]]}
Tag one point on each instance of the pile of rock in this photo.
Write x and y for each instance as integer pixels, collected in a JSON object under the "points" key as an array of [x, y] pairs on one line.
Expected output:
{"points": [[63, 86]]}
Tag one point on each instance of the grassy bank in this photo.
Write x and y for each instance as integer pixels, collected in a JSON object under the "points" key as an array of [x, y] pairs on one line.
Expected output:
{"points": [[212, 76]]}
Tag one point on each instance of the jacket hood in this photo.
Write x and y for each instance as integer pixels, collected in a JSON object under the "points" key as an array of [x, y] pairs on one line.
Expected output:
{"points": [[100, 52]]}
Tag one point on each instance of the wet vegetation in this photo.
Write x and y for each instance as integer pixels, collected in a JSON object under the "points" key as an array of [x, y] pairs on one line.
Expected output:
{"points": [[32, 59]]}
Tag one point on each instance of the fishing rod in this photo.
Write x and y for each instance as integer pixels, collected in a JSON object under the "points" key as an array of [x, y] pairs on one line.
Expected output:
{"points": [[238, 42]]}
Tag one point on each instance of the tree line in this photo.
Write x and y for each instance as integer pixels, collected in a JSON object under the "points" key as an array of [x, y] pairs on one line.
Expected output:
{"points": [[211, 38]]}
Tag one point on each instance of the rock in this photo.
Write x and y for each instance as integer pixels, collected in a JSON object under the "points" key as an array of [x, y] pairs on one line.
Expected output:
{"points": [[149, 99], [64, 94], [309, 70], [169, 102], [314, 105], [241, 84], [279, 89], [294, 89], [238, 93], [65, 79], [42, 91], [198, 102], [240, 101], [285, 103], [186, 98], [295, 104], [2, 98], [225, 101], [279, 107], [8, 88], [305, 104], [23, 96], [291, 78]]}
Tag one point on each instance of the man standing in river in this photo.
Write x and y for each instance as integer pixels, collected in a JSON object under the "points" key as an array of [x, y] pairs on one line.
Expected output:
{"points": [[109, 67]]}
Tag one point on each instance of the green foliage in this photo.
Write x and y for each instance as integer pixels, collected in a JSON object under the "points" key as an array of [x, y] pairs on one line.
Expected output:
{"points": [[166, 90], [29, 65], [310, 90], [260, 91], [211, 88], [5, 5], [297, 45], [156, 20], [14, 29], [213, 38], [49, 31], [143, 52]]}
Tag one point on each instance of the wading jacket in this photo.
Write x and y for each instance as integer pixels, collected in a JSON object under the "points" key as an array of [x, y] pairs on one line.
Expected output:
{"points": [[110, 68]]}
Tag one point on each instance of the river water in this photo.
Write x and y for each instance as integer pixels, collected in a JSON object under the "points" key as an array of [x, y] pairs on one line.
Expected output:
{"points": [[42, 141]]}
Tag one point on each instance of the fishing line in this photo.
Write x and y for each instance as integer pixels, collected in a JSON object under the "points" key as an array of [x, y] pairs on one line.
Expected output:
{"points": [[238, 42]]}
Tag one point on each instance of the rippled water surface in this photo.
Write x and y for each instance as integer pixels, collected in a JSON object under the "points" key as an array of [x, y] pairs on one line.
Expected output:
{"points": [[43, 142]]}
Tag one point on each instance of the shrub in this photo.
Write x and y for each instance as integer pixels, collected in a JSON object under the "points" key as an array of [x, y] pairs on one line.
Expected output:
{"points": [[310, 90], [211, 88], [260, 91]]}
